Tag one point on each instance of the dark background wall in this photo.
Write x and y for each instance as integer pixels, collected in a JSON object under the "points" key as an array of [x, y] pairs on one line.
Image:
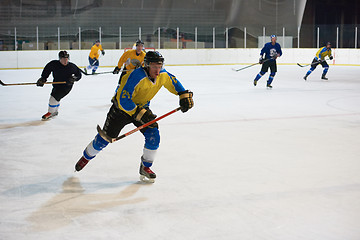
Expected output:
{"points": [[328, 15]]}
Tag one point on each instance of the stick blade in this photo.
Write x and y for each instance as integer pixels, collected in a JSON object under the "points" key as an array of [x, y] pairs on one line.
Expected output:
{"points": [[3, 84], [104, 135], [300, 65]]}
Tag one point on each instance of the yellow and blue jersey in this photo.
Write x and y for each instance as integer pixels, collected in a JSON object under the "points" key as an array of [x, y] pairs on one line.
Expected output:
{"points": [[130, 57], [322, 53], [94, 52], [136, 89]]}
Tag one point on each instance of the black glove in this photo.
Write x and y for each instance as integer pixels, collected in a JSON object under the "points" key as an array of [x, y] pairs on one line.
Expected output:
{"points": [[71, 80], [116, 70], [331, 57], [40, 82], [144, 115], [186, 100], [261, 60], [102, 52]]}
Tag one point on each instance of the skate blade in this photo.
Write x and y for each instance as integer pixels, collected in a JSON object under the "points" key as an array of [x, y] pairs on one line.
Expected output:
{"points": [[146, 180]]}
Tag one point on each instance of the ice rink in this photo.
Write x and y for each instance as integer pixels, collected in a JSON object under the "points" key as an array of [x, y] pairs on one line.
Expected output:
{"points": [[245, 163]]}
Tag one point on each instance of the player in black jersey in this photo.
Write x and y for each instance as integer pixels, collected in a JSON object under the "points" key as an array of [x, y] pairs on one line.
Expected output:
{"points": [[62, 71]]}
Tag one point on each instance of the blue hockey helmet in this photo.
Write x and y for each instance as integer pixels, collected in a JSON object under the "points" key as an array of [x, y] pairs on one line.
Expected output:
{"points": [[273, 36]]}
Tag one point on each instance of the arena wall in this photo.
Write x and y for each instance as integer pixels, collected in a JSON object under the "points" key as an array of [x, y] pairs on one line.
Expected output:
{"points": [[38, 59]]}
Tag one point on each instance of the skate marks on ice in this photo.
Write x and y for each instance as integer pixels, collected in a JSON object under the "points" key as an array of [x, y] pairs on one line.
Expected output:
{"points": [[22, 124], [345, 104], [73, 202]]}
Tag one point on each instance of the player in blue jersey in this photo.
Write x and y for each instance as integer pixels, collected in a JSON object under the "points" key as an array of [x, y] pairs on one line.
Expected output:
{"points": [[320, 59], [131, 105], [272, 50]]}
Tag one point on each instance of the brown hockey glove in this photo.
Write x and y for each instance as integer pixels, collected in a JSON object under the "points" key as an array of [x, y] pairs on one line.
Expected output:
{"points": [[186, 100], [144, 115]]}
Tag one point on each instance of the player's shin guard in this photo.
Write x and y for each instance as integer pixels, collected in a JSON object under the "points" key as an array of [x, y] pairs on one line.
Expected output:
{"points": [[309, 72], [53, 105], [271, 78], [326, 69], [94, 147], [260, 74], [152, 141]]}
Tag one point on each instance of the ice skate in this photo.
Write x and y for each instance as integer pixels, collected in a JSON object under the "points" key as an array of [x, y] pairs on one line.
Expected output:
{"points": [[269, 86], [305, 77], [146, 175], [85, 70], [323, 77], [49, 115], [255, 82], [81, 164]]}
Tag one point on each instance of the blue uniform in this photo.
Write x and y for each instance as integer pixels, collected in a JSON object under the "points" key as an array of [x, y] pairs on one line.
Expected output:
{"points": [[271, 53]]}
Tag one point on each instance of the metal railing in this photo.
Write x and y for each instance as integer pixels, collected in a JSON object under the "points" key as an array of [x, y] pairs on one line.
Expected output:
{"points": [[308, 36]]}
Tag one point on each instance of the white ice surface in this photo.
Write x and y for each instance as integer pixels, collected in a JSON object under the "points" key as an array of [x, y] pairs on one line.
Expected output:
{"points": [[245, 163]]}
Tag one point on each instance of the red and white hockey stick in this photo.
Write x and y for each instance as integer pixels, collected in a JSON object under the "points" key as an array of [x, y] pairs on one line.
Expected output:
{"points": [[111, 140]]}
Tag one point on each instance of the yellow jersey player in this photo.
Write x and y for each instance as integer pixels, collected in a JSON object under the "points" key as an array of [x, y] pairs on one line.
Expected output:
{"points": [[131, 105], [131, 60], [320, 59], [94, 57]]}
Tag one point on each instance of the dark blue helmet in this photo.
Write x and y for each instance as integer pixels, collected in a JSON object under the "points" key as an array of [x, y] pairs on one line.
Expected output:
{"points": [[63, 54], [153, 56], [138, 42]]}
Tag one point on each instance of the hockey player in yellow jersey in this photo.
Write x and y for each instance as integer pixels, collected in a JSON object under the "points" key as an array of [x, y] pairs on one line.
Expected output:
{"points": [[94, 57], [131, 59], [131, 104], [320, 59]]}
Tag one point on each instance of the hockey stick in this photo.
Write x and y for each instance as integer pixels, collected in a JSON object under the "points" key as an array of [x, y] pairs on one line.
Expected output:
{"points": [[89, 74], [306, 64], [111, 140], [311, 63], [100, 73], [236, 70], [16, 84]]}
